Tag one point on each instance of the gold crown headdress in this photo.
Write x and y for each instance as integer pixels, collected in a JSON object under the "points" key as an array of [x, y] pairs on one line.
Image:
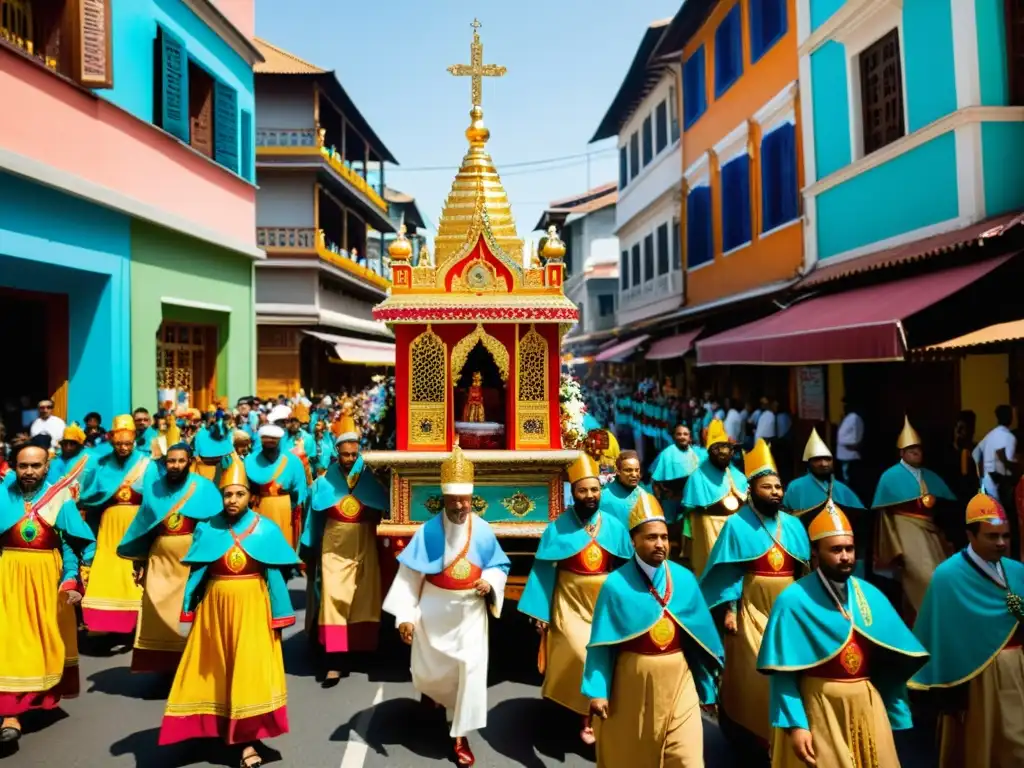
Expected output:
{"points": [[646, 510], [123, 423], [583, 468], [75, 434], [234, 474], [758, 460], [717, 433], [984, 509], [457, 474], [908, 436], [831, 521], [815, 447]]}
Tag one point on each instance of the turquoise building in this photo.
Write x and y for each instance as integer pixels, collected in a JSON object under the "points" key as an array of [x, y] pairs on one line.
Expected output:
{"points": [[127, 204], [913, 118]]}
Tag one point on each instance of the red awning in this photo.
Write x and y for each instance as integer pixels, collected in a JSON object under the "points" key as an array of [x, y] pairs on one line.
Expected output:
{"points": [[860, 325], [621, 351], [673, 346]]}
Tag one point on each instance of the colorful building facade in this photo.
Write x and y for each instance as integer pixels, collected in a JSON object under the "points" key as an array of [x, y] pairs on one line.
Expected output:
{"points": [[138, 153]]}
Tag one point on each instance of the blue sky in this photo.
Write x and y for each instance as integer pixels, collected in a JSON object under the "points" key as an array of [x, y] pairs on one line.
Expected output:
{"points": [[565, 59]]}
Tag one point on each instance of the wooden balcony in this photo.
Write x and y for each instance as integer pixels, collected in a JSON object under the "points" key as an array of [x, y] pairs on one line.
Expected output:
{"points": [[310, 142], [307, 240]]}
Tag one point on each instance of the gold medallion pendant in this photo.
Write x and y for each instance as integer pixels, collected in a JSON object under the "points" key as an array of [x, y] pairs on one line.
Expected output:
{"points": [[236, 559], [350, 507], [731, 503], [928, 501], [124, 493], [174, 521], [852, 659], [592, 557], [663, 632], [776, 559], [460, 569]]}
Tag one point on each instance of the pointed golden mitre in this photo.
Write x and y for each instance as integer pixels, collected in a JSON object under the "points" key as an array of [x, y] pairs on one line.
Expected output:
{"points": [[347, 430], [234, 474], [647, 509], [123, 423], [457, 474], [759, 461], [815, 447], [301, 413], [984, 509], [908, 436], [73, 433], [831, 521], [583, 468], [717, 433]]}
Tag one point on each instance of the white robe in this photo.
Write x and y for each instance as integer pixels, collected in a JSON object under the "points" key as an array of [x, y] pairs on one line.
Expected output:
{"points": [[449, 646]]}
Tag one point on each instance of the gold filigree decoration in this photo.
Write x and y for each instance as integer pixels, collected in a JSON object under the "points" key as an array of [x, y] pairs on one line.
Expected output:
{"points": [[519, 504], [428, 406], [862, 604], [532, 414], [466, 344], [534, 278], [424, 277], [479, 277]]}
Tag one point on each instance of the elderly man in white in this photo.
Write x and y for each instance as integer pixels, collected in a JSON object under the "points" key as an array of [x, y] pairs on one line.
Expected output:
{"points": [[450, 573]]}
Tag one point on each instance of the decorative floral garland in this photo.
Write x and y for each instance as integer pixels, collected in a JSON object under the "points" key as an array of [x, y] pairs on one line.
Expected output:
{"points": [[572, 408]]}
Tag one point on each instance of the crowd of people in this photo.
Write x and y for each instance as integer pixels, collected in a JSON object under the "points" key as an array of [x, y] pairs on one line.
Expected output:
{"points": [[713, 588]]}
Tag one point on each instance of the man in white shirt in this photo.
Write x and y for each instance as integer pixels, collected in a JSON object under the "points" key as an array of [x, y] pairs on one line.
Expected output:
{"points": [[48, 423], [733, 423], [766, 425], [996, 454]]}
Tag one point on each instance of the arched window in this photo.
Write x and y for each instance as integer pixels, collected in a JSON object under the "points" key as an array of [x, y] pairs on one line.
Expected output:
{"points": [[428, 381], [532, 415]]}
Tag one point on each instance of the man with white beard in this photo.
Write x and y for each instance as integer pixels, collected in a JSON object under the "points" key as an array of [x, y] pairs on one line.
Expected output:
{"points": [[450, 573]]}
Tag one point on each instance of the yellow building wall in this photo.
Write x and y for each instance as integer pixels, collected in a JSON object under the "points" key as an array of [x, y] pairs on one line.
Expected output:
{"points": [[984, 384]]}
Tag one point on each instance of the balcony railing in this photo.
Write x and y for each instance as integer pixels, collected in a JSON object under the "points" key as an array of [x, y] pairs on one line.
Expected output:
{"points": [[312, 139], [310, 239]]}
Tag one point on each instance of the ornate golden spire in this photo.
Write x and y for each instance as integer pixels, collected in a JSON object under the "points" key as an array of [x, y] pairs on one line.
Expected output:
{"points": [[477, 204]]}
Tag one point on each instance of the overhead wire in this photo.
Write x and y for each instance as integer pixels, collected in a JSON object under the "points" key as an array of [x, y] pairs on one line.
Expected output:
{"points": [[579, 158]]}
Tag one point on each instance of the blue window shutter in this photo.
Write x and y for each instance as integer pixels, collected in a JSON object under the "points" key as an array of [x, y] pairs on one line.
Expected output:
{"points": [[779, 193], [736, 203], [768, 23], [623, 167], [172, 70], [699, 247], [247, 155], [225, 125], [770, 181], [694, 86], [728, 51]]}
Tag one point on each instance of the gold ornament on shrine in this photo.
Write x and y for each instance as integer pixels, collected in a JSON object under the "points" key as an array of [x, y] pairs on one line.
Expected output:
{"points": [[554, 248], [400, 249]]}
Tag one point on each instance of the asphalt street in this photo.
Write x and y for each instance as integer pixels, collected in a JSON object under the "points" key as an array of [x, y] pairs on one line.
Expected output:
{"points": [[372, 718]]}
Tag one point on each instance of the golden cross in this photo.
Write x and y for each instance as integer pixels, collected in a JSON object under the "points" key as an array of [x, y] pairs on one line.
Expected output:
{"points": [[476, 69]]}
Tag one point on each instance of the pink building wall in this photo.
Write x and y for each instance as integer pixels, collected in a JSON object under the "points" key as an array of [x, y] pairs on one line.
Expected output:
{"points": [[241, 13], [76, 132]]}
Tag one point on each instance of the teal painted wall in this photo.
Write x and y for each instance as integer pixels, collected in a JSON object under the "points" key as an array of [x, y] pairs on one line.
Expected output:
{"points": [[54, 243], [991, 22], [830, 109], [822, 10], [166, 264], [891, 199], [928, 57], [1003, 163]]}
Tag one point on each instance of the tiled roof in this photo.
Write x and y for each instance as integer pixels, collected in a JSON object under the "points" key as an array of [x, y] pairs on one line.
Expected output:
{"points": [[278, 61]]}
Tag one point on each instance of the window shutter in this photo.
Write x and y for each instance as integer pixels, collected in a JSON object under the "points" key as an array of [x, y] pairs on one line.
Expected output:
{"points": [[172, 84], [225, 126], [247, 157], [90, 52]]}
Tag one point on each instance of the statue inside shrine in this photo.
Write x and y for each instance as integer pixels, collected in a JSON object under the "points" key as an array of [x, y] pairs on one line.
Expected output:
{"points": [[473, 410]]}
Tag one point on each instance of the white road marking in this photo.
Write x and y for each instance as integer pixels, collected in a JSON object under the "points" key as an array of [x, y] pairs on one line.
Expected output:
{"points": [[355, 748]]}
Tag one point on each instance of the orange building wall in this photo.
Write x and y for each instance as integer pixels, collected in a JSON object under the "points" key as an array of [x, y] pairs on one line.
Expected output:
{"points": [[779, 255]]}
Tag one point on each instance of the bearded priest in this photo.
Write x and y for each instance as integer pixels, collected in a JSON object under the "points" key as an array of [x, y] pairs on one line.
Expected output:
{"points": [[574, 557], [839, 658], [449, 575]]}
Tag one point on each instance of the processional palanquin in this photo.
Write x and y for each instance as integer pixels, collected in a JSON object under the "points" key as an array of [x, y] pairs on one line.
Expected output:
{"points": [[478, 293]]}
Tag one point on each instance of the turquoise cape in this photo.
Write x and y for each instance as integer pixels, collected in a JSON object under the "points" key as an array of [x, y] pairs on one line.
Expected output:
{"points": [[618, 501], [626, 609], [289, 440], [709, 485], [330, 489], [675, 464], [963, 621], [808, 493], [744, 538], [897, 485], [806, 629], [562, 539], [104, 475], [327, 452], [293, 478], [77, 543], [60, 467], [201, 500], [425, 551], [590, 423], [265, 543], [206, 447]]}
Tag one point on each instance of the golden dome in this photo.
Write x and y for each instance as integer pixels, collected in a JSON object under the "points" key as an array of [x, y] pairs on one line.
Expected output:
{"points": [[554, 248], [477, 204], [400, 248]]}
